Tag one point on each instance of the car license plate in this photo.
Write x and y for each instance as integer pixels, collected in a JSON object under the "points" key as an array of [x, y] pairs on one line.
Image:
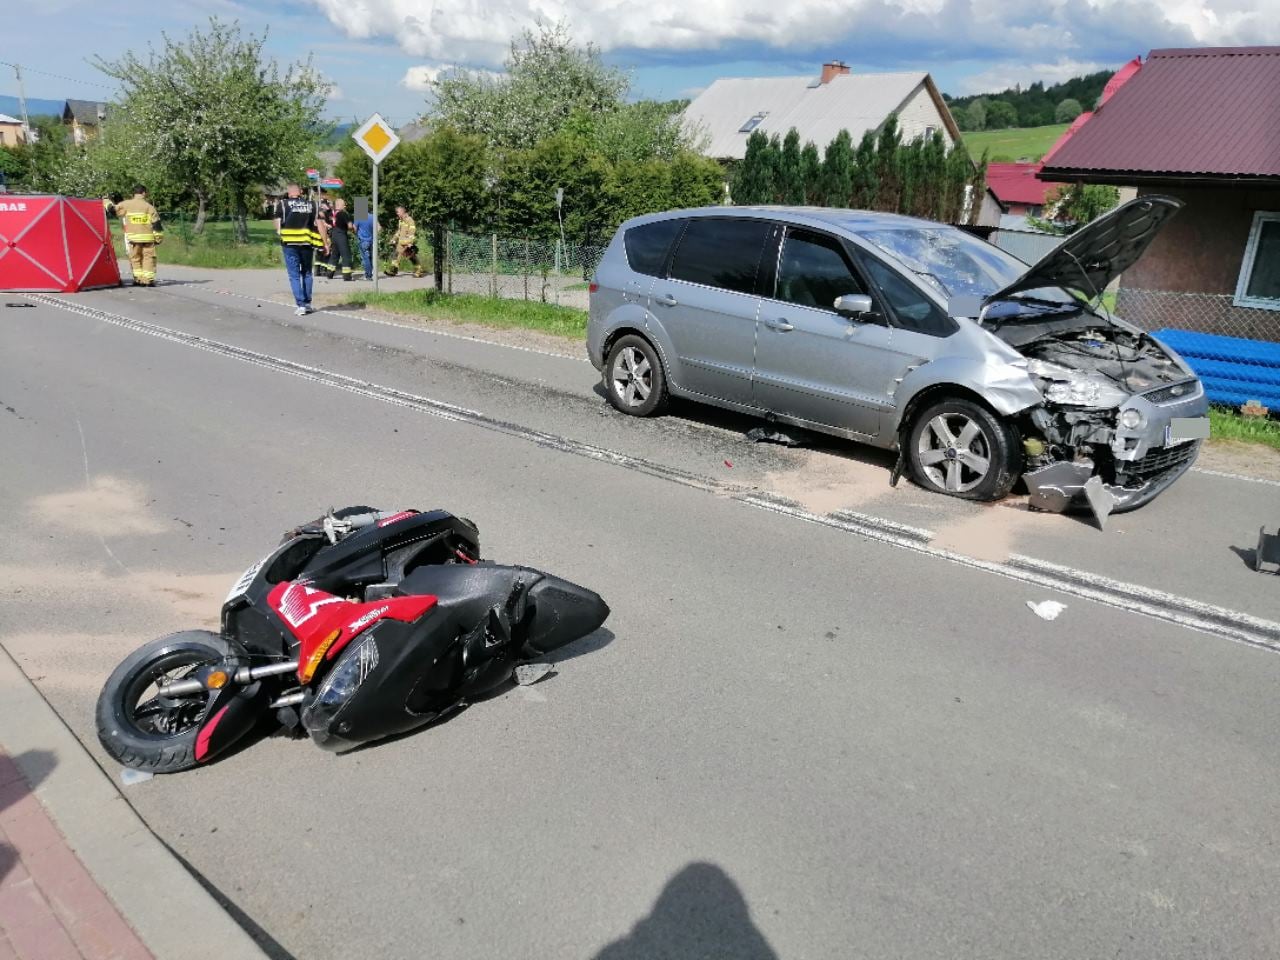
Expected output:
{"points": [[1181, 430]]}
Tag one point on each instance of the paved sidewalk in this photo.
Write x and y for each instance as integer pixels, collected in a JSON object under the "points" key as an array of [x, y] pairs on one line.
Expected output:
{"points": [[50, 907], [81, 876]]}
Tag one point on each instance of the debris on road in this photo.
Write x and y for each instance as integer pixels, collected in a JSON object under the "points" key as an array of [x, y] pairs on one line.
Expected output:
{"points": [[728, 463], [530, 673], [129, 777], [32, 305], [774, 434], [1101, 500], [1046, 609], [1268, 550]]}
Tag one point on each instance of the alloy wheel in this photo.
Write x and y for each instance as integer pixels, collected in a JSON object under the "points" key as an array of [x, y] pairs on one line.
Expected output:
{"points": [[632, 377], [954, 452]]}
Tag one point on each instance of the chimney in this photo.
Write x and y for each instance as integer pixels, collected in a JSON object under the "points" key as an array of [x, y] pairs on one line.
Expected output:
{"points": [[832, 69]]}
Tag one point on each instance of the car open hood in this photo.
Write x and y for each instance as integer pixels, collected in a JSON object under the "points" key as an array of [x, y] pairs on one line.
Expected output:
{"points": [[1098, 252]]}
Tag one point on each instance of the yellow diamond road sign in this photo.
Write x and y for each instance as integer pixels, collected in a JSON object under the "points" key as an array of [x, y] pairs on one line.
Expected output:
{"points": [[376, 138]]}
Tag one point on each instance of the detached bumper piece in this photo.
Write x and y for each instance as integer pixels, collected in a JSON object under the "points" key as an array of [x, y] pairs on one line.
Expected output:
{"points": [[1268, 552]]}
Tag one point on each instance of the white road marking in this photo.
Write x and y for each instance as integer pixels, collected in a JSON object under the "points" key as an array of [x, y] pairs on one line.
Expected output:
{"points": [[1171, 608]]}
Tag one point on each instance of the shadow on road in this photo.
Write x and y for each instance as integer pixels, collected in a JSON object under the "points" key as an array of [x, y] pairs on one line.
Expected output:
{"points": [[700, 913], [19, 776]]}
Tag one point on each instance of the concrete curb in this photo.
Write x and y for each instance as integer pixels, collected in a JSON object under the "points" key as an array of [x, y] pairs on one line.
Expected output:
{"points": [[170, 911]]}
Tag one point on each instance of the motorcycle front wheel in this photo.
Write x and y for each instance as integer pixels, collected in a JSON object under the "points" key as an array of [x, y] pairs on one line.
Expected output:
{"points": [[141, 729]]}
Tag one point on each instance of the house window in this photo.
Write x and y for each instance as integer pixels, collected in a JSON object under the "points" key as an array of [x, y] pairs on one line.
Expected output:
{"points": [[929, 132], [751, 124], [1259, 284]]}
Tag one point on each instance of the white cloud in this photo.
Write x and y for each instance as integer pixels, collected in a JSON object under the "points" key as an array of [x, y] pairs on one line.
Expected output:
{"points": [[421, 77], [335, 93], [1086, 31]]}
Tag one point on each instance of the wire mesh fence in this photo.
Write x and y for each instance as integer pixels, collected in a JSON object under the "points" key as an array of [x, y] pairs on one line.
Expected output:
{"points": [[550, 271], [1196, 312]]}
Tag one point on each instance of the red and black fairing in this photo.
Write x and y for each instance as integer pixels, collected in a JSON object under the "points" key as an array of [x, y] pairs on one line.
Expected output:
{"points": [[367, 565]]}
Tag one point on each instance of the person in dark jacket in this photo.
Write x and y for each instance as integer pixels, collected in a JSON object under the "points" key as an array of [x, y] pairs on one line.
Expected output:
{"points": [[340, 240]]}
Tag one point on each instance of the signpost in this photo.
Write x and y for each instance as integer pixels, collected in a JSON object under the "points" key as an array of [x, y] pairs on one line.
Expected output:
{"points": [[377, 139]]}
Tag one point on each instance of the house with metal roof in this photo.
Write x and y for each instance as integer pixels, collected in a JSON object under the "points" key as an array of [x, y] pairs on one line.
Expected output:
{"points": [[1202, 125], [12, 132], [83, 117], [726, 113]]}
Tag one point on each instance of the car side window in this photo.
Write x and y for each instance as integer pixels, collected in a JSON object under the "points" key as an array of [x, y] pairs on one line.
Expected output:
{"points": [[814, 270], [648, 244], [912, 309], [721, 252]]}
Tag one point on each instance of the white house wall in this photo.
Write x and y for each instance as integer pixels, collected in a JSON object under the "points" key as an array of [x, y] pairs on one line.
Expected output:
{"points": [[920, 113]]}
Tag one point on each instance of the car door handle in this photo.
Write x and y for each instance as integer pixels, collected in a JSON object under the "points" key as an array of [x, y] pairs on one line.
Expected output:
{"points": [[780, 325], [667, 300]]}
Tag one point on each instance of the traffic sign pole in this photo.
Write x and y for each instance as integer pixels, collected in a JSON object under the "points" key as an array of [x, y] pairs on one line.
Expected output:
{"points": [[377, 139]]}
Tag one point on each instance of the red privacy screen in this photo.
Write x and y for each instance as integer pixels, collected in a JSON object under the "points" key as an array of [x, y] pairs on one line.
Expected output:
{"points": [[55, 244]]}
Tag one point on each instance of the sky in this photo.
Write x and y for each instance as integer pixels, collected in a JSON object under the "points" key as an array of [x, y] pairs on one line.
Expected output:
{"points": [[380, 54]]}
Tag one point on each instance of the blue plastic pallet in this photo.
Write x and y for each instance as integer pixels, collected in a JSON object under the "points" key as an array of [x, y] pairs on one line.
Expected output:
{"points": [[1234, 370]]}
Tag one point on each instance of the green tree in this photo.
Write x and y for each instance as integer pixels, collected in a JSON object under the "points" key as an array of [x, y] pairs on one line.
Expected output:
{"points": [[219, 115], [977, 114], [756, 177], [441, 180], [1067, 111], [528, 182], [837, 171], [1071, 206], [811, 173], [696, 181], [888, 179], [790, 174], [1000, 115], [548, 79], [866, 181]]}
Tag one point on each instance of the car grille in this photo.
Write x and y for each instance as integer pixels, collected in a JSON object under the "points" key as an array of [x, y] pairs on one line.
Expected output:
{"points": [[1157, 461], [1175, 392]]}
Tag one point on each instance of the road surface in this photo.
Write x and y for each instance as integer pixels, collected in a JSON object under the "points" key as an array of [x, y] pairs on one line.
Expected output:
{"points": [[821, 721]]}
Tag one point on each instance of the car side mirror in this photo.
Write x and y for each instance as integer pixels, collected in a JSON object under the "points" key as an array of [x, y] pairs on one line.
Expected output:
{"points": [[853, 305]]}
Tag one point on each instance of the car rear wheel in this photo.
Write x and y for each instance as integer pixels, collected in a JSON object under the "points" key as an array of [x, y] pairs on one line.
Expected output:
{"points": [[634, 378], [962, 449]]}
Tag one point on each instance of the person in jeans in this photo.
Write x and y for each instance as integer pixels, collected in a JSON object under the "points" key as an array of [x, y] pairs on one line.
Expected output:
{"points": [[340, 240], [299, 240], [364, 233]]}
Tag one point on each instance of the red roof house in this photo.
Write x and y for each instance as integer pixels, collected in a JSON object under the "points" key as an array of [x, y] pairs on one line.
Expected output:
{"points": [[1202, 125], [1017, 187]]}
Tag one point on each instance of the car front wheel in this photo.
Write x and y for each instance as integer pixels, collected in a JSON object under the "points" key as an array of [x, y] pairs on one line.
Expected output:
{"points": [[962, 449], [634, 378]]}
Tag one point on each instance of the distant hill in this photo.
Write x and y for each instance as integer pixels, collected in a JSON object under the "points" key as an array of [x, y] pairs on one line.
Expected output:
{"points": [[1035, 105], [35, 108]]}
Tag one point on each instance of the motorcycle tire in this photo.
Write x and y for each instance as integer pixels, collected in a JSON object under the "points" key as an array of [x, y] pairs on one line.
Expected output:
{"points": [[164, 740]]}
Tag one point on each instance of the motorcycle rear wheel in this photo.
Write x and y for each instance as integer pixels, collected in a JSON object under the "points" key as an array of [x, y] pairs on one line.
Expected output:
{"points": [[154, 733]]}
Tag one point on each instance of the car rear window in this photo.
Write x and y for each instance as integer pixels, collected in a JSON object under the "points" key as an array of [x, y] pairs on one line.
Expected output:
{"points": [[720, 252], [647, 245]]}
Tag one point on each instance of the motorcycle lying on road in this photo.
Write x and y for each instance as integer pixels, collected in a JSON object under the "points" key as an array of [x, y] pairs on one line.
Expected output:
{"points": [[360, 625]]}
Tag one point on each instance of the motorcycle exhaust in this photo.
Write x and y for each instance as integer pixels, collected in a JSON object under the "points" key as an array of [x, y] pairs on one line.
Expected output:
{"points": [[243, 676]]}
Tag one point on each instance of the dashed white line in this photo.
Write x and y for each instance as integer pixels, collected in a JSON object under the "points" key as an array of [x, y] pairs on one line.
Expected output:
{"points": [[1183, 611]]}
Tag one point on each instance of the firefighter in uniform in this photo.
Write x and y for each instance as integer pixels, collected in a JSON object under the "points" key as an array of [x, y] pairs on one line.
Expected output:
{"points": [[299, 240], [142, 234], [406, 244]]}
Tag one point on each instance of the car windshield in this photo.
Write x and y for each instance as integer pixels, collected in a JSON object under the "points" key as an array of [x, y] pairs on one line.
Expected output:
{"points": [[958, 264]]}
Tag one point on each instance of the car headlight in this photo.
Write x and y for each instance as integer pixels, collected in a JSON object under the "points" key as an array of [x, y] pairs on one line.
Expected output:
{"points": [[1073, 388], [351, 670], [1132, 419]]}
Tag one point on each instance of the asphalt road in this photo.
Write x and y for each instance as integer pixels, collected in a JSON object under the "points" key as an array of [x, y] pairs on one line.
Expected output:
{"points": [[805, 732]]}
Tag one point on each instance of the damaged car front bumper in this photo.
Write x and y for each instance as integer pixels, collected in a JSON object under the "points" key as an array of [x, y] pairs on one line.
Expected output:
{"points": [[1139, 450]]}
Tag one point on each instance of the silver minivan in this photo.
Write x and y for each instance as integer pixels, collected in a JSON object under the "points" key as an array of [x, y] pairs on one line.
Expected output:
{"points": [[908, 335]]}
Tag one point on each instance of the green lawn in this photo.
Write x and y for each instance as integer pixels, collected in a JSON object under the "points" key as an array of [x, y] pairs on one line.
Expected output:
{"points": [[215, 248], [475, 308], [1005, 146], [1228, 424]]}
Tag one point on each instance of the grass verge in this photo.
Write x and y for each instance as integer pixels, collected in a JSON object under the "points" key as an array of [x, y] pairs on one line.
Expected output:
{"points": [[1227, 424], [475, 308]]}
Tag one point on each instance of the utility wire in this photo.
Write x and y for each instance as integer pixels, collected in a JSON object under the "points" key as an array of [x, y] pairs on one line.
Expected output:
{"points": [[56, 76]]}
